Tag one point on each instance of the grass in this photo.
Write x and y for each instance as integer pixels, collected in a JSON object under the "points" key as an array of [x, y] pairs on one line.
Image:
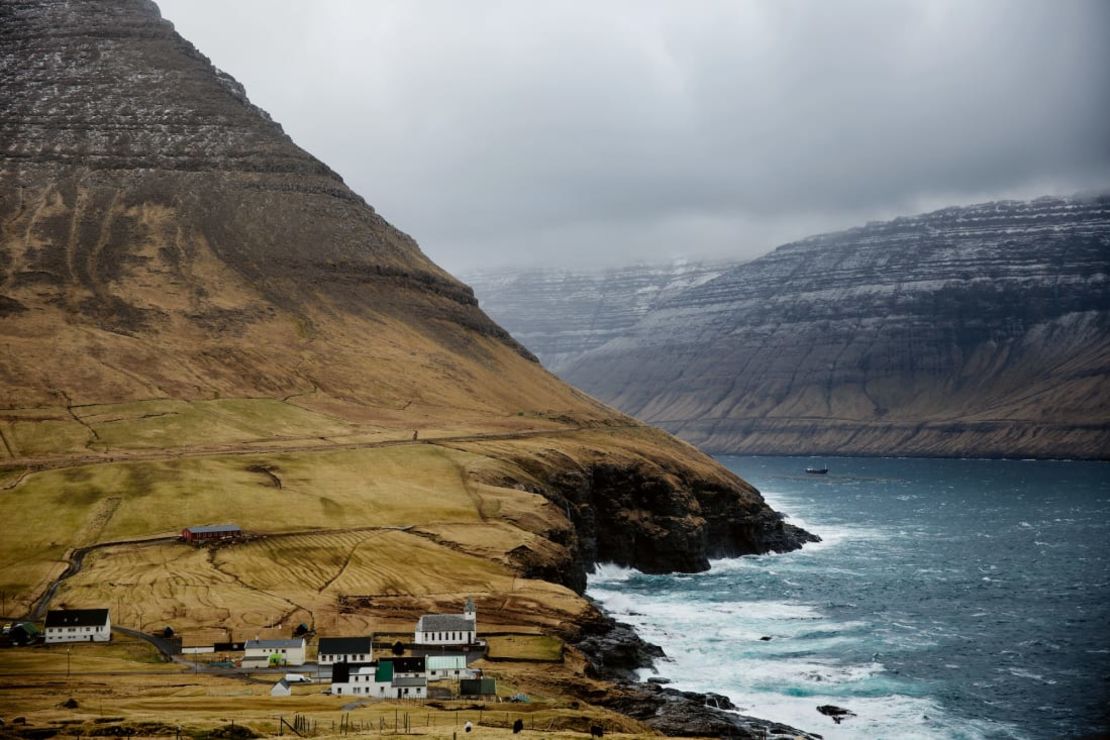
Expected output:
{"points": [[525, 647], [122, 654], [169, 424], [248, 586], [392, 486]]}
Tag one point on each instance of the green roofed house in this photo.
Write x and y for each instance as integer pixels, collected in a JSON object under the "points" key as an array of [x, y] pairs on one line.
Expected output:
{"points": [[384, 672]]}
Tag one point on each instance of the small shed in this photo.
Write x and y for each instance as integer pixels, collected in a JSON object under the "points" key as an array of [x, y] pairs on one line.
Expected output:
{"points": [[477, 687], [282, 688], [208, 532]]}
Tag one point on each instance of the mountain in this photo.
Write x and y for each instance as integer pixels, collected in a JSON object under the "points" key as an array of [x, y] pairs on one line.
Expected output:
{"points": [[559, 314], [202, 323], [973, 331]]}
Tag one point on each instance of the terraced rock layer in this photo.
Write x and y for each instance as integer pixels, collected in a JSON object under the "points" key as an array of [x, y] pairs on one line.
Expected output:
{"points": [[981, 331]]}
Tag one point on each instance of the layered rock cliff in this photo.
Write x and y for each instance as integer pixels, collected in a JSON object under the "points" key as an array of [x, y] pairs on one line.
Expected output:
{"points": [[980, 330]]}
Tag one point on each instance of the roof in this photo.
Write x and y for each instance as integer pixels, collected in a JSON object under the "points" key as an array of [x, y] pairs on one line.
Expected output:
{"points": [[418, 681], [76, 617], [475, 686], [445, 623], [344, 645], [384, 672], [446, 662], [213, 528], [270, 644], [408, 665], [341, 672], [282, 683]]}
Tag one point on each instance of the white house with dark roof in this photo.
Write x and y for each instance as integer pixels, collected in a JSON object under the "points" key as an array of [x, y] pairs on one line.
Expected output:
{"points": [[258, 653], [344, 650], [379, 680], [78, 625], [448, 629]]}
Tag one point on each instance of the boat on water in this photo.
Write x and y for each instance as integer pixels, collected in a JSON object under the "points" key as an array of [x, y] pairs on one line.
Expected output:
{"points": [[818, 471]]}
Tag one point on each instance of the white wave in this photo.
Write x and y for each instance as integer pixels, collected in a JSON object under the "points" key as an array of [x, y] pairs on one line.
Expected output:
{"points": [[611, 573]]}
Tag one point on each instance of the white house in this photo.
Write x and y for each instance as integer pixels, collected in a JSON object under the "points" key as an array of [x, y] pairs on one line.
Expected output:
{"points": [[257, 653], [78, 625], [377, 681], [281, 688], [446, 667], [344, 650], [448, 629]]}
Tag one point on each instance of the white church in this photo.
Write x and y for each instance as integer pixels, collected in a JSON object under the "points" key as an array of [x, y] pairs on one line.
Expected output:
{"points": [[448, 629]]}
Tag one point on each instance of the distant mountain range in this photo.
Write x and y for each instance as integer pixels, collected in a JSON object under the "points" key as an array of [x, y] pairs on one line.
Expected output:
{"points": [[561, 314], [979, 330]]}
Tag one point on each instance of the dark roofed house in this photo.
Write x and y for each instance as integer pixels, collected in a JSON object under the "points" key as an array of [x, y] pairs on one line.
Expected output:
{"points": [[78, 625], [448, 629], [408, 666], [206, 532], [344, 650]]}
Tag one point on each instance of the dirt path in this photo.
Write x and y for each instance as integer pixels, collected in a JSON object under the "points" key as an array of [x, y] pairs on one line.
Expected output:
{"points": [[38, 464], [76, 558]]}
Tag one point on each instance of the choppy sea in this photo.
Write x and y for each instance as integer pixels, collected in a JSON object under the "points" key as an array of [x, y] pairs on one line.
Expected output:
{"points": [[949, 599]]}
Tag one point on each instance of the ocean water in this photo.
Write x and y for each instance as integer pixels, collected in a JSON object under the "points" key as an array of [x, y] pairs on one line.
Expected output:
{"points": [[949, 599]]}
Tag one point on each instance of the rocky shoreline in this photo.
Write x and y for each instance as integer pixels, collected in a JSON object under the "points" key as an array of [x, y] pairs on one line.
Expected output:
{"points": [[614, 652]]}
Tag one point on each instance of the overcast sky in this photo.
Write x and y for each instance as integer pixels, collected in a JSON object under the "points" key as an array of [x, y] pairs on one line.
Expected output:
{"points": [[624, 130]]}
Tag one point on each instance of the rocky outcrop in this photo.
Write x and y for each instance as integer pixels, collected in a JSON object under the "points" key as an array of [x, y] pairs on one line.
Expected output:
{"points": [[614, 652], [637, 508], [982, 330], [690, 714], [559, 314]]}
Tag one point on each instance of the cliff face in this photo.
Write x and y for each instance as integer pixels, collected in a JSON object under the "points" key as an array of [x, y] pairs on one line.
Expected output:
{"points": [[189, 302], [968, 331], [561, 314]]}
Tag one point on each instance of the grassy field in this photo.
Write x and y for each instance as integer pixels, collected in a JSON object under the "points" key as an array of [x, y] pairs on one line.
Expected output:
{"points": [[329, 489], [525, 647], [293, 579]]}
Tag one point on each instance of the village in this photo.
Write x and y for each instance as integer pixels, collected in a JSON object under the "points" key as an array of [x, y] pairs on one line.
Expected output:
{"points": [[441, 650], [444, 658]]}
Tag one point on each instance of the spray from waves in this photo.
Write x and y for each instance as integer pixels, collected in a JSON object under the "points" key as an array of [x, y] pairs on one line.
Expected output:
{"points": [[718, 646], [611, 573], [779, 657], [832, 535]]}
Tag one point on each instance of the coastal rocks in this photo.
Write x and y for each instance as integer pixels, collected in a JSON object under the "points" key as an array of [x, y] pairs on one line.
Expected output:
{"points": [[663, 521], [690, 714], [614, 651], [838, 714]]}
